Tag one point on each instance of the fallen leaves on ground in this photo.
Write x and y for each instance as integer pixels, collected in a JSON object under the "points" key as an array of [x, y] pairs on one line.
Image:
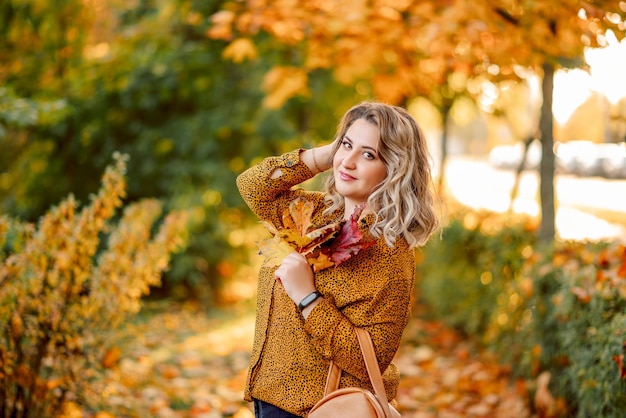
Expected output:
{"points": [[182, 362], [446, 376], [179, 362]]}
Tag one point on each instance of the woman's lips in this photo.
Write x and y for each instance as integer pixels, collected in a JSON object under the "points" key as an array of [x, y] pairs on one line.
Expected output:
{"points": [[345, 176]]}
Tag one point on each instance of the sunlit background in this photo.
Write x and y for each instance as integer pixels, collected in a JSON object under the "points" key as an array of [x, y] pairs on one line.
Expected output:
{"points": [[589, 108], [606, 75]]}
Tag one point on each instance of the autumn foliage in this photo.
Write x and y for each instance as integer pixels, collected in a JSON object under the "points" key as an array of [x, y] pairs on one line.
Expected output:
{"points": [[555, 314], [405, 48], [63, 287], [323, 247]]}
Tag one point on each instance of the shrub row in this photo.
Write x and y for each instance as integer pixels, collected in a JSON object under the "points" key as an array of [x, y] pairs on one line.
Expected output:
{"points": [[554, 313]]}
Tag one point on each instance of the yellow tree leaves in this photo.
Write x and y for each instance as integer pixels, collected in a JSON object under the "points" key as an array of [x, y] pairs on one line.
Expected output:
{"points": [[282, 83], [408, 47], [239, 50]]}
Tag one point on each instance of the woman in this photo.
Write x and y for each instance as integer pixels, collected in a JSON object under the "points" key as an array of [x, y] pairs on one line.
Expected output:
{"points": [[379, 158]]}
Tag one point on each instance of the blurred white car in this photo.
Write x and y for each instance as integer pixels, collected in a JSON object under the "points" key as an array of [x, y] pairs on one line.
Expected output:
{"points": [[586, 158], [581, 158], [613, 161], [510, 156]]}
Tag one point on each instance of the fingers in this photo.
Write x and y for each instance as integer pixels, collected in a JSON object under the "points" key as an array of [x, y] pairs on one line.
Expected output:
{"points": [[295, 259], [296, 276], [294, 264]]}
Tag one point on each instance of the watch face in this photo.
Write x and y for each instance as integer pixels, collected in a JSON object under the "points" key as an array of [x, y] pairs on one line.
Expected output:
{"points": [[308, 299]]}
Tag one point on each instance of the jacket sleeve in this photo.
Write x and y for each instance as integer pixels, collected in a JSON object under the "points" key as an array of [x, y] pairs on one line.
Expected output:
{"points": [[384, 311], [267, 196]]}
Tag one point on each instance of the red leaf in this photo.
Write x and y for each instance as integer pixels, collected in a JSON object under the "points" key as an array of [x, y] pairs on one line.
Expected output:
{"points": [[348, 242]]}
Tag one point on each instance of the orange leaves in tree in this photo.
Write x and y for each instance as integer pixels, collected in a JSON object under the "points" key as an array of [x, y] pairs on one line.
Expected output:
{"points": [[323, 247], [240, 50], [401, 48], [282, 83]]}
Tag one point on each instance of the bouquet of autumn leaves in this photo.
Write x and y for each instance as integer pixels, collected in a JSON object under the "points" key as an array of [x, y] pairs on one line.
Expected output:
{"points": [[323, 247]]}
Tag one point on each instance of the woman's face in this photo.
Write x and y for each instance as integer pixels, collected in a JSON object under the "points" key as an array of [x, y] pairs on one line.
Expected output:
{"points": [[357, 166]]}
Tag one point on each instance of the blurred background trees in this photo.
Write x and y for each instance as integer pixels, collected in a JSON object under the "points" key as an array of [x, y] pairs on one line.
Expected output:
{"points": [[195, 91], [399, 50]]}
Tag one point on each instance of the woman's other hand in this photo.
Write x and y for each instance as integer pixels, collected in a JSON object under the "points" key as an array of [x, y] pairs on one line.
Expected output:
{"points": [[296, 275]]}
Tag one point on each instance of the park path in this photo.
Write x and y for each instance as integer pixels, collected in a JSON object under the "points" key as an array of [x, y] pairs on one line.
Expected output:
{"points": [[179, 362]]}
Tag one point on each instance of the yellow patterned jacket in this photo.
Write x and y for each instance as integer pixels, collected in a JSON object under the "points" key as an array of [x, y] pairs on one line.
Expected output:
{"points": [[290, 356]]}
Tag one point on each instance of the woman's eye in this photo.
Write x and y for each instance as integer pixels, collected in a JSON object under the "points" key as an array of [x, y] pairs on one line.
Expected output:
{"points": [[368, 155], [346, 144]]}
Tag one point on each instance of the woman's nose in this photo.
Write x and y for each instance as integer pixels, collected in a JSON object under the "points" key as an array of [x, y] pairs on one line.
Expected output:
{"points": [[349, 160]]}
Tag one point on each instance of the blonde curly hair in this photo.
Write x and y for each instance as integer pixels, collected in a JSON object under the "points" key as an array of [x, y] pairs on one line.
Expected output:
{"points": [[404, 202]]}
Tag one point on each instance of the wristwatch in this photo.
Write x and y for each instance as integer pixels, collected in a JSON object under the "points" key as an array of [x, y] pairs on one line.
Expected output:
{"points": [[308, 299]]}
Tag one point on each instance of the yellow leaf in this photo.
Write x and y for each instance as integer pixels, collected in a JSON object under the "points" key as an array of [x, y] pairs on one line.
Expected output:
{"points": [[319, 261], [17, 326], [282, 83], [111, 357], [319, 236], [293, 237], [104, 414], [270, 227], [239, 50], [222, 25], [275, 250]]}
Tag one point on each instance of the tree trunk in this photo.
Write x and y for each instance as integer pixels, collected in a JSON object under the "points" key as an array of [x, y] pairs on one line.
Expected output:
{"points": [[546, 168], [519, 170], [445, 115]]}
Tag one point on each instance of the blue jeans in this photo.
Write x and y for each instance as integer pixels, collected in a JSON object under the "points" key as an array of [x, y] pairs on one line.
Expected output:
{"points": [[266, 410]]}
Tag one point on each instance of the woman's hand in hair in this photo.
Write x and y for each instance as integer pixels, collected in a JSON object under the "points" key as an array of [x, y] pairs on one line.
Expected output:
{"points": [[318, 159]]}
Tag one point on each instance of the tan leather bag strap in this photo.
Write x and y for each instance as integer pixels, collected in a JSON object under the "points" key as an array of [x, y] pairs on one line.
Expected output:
{"points": [[332, 381], [373, 371]]}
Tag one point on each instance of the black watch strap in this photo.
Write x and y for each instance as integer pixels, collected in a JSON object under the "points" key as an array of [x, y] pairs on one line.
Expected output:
{"points": [[308, 299]]}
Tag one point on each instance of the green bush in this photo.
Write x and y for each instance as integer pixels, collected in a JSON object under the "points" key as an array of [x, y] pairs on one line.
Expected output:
{"points": [[559, 309], [576, 325], [466, 272]]}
